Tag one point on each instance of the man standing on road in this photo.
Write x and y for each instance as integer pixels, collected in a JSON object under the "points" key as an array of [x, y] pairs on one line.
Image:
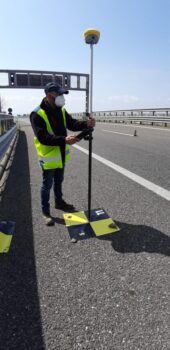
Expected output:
{"points": [[50, 122]]}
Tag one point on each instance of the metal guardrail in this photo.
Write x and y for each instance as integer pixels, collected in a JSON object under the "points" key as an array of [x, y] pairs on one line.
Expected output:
{"points": [[7, 132], [6, 157], [132, 112], [6, 122], [140, 121], [159, 116], [5, 141]]}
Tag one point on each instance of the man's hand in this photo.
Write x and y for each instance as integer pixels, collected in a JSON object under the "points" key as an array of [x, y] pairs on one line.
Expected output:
{"points": [[91, 122], [71, 139]]}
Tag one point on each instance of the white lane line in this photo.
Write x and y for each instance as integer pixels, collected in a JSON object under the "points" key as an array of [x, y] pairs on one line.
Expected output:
{"points": [[115, 132], [160, 191]]}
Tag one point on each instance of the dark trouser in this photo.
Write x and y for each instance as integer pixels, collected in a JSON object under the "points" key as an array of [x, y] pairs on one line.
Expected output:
{"points": [[51, 177]]}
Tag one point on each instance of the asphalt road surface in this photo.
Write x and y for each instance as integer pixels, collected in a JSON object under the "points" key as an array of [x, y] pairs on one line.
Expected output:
{"points": [[107, 293]]}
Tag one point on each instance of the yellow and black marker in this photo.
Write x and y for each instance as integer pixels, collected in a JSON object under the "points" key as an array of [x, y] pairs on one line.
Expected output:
{"points": [[6, 234], [80, 227]]}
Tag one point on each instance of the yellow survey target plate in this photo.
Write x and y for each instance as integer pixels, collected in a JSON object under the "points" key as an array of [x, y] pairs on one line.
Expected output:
{"points": [[80, 227]]}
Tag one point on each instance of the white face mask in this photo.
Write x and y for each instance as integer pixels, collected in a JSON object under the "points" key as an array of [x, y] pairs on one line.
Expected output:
{"points": [[60, 101]]}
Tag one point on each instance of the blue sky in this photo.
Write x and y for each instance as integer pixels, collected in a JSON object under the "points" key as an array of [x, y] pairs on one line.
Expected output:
{"points": [[131, 60]]}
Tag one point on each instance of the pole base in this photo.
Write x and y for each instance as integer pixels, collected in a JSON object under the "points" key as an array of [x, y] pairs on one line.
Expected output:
{"points": [[80, 228]]}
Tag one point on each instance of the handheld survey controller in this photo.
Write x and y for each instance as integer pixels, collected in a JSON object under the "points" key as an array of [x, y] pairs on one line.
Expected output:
{"points": [[85, 134]]}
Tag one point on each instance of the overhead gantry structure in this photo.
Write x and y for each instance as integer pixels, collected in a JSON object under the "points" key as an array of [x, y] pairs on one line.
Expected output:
{"points": [[32, 79]]}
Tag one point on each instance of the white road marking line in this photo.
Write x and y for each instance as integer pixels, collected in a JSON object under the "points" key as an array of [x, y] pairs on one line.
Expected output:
{"points": [[160, 191], [115, 132]]}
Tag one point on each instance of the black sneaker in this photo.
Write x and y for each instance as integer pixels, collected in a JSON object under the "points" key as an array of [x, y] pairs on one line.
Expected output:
{"points": [[62, 205]]}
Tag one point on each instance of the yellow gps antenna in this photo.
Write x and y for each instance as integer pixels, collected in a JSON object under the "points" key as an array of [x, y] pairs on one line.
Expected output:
{"points": [[91, 37]]}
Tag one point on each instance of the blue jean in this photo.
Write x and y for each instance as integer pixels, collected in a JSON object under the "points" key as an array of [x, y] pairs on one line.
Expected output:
{"points": [[52, 177]]}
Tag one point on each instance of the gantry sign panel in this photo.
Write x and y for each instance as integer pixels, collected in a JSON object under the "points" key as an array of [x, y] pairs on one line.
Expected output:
{"points": [[38, 79]]}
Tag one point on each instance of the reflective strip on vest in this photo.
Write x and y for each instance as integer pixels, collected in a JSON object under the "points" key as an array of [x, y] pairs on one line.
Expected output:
{"points": [[50, 159]]}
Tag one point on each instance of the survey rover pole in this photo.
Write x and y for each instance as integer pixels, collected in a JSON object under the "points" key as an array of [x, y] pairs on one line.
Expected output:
{"points": [[92, 222], [91, 37], [90, 135]]}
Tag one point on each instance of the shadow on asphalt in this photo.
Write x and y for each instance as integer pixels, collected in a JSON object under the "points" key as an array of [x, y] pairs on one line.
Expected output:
{"points": [[20, 319], [138, 238]]}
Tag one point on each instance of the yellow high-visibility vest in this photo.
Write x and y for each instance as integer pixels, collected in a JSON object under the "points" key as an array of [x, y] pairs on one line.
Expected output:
{"points": [[50, 156]]}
